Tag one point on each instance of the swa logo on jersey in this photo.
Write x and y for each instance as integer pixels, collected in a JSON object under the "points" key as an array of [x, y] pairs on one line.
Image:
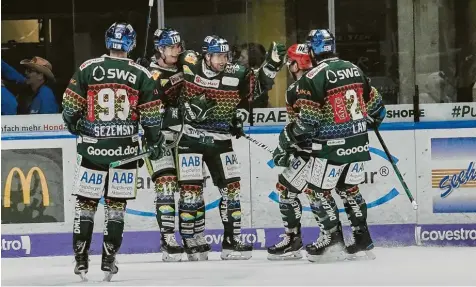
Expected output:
{"points": [[333, 77], [99, 73], [121, 74]]}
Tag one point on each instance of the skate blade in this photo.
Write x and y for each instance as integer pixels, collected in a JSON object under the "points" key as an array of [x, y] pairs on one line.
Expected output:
{"points": [[361, 255], [203, 256], [327, 257], [108, 276], [83, 277], [235, 255], [294, 255], [167, 257], [193, 257]]}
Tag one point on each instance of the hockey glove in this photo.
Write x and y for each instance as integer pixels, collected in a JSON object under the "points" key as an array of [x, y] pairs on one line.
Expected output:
{"points": [[157, 149], [198, 109], [236, 128], [374, 120], [274, 58], [281, 157], [72, 126], [282, 154]]}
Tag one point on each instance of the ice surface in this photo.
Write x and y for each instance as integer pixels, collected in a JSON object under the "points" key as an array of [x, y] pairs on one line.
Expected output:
{"points": [[393, 266]]}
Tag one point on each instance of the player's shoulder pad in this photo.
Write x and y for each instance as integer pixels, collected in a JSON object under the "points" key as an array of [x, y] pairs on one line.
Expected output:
{"points": [[90, 62], [316, 70], [139, 67], [189, 57]]}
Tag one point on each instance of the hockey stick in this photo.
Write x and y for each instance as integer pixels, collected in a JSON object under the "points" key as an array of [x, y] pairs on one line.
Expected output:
{"points": [[258, 143], [146, 153], [397, 171], [151, 4]]}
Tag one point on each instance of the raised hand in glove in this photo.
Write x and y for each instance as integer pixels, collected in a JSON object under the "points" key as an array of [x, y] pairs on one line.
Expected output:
{"points": [[236, 128], [275, 56], [198, 109], [282, 154], [157, 148]]}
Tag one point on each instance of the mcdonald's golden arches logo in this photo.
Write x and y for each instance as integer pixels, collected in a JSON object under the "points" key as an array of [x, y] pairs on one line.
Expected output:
{"points": [[25, 183]]}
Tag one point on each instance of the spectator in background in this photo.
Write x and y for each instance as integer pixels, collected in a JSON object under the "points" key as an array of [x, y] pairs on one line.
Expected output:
{"points": [[252, 55], [9, 101], [39, 73]]}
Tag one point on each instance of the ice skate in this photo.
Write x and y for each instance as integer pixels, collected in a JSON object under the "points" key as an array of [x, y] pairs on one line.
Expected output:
{"points": [[171, 250], [203, 246], [329, 247], [108, 262], [234, 249], [191, 248], [287, 249], [82, 266], [361, 248], [108, 265]]}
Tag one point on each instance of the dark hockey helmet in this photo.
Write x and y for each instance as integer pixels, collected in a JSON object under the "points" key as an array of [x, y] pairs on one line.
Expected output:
{"points": [[321, 41], [299, 53], [121, 36], [167, 37]]}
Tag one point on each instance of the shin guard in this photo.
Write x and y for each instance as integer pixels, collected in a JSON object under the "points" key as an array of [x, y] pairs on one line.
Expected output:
{"points": [[290, 207], [189, 202], [83, 225], [165, 188], [230, 208], [354, 204], [323, 206], [114, 211]]}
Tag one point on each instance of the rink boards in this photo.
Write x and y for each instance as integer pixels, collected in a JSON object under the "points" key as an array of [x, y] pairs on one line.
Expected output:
{"points": [[437, 160]]}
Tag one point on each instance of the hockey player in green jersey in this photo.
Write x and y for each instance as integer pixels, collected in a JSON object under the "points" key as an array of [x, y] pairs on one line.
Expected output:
{"points": [[168, 46], [336, 101], [213, 87], [104, 103], [292, 181]]}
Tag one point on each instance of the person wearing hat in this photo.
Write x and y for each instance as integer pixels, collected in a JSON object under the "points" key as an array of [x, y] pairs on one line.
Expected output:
{"points": [[38, 73]]}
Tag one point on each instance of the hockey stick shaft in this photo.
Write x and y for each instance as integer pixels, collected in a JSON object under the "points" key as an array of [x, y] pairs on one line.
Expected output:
{"points": [[258, 143], [129, 159], [142, 154], [395, 168], [151, 4], [147, 153]]}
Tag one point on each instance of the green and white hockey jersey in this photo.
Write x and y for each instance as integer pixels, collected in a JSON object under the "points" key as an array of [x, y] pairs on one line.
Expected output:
{"points": [[334, 100], [108, 98]]}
